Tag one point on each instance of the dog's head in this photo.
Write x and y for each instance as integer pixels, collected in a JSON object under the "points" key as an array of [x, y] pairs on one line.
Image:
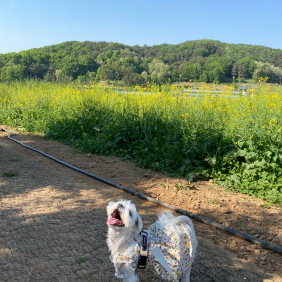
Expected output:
{"points": [[122, 215]]}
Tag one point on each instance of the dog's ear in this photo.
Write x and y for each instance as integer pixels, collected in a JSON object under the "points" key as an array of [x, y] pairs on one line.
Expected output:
{"points": [[139, 223]]}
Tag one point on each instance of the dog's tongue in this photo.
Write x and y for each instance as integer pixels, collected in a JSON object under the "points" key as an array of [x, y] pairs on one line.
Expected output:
{"points": [[113, 221]]}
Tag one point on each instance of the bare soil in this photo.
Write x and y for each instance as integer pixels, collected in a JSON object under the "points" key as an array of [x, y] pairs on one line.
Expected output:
{"points": [[53, 219]]}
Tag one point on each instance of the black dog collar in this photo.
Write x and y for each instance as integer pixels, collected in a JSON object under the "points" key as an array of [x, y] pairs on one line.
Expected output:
{"points": [[143, 251]]}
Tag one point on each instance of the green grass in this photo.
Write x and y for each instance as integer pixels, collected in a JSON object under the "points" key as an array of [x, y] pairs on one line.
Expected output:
{"points": [[187, 187], [80, 259], [10, 160], [14, 160], [10, 173], [215, 201]]}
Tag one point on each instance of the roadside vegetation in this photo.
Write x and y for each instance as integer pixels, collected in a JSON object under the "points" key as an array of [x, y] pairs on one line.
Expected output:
{"points": [[234, 139]]}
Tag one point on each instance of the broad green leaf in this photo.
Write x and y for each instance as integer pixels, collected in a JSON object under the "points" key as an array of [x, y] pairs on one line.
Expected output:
{"points": [[241, 153], [240, 143]]}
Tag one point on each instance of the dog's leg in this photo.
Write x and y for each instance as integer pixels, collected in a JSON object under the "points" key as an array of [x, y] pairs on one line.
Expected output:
{"points": [[186, 276], [128, 273]]}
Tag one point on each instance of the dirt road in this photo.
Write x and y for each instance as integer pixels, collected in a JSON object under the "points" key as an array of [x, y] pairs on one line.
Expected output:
{"points": [[53, 220]]}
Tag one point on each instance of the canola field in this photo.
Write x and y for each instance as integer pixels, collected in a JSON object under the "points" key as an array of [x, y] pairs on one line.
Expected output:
{"points": [[234, 139]]}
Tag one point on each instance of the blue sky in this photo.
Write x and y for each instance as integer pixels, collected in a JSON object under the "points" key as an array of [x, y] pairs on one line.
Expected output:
{"points": [[26, 24]]}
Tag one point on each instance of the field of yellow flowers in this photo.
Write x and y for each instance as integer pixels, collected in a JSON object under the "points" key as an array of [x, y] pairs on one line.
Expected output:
{"points": [[234, 139]]}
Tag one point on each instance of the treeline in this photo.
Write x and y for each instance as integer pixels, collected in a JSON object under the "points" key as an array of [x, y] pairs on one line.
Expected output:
{"points": [[199, 60]]}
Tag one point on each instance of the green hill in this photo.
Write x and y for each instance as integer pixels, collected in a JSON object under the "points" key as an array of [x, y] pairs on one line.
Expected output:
{"points": [[198, 60]]}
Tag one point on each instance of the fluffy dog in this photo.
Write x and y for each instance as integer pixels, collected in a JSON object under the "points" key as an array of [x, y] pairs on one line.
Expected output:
{"points": [[174, 236]]}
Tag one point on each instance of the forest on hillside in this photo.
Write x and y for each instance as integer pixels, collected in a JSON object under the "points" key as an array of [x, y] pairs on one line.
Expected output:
{"points": [[199, 60]]}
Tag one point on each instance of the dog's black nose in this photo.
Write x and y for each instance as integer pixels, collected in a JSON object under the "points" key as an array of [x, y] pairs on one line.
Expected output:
{"points": [[120, 206]]}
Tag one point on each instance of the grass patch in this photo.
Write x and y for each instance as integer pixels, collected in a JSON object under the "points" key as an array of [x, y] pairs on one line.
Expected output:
{"points": [[269, 205], [215, 201], [210, 187], [2, 180], [187, 187], [10, 160], [10, 173], [80, 259], [14, 160]]}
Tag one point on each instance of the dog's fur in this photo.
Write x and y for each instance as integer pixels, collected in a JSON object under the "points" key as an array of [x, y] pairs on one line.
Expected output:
{"points": [[124, 224]]}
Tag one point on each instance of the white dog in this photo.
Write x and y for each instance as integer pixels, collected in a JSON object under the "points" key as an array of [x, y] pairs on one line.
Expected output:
{"points": [[174, 236]]}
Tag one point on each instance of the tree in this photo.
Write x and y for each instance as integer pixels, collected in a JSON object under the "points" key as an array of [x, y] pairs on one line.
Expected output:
{"points": [[111, 72], [239, 70], [14, 72], [191, 72], [36, 70], [42, 57], [249, 64], [144, 64], [58, 74], [27, 59], [70, 67], [130, 78], [13, 58], [201, 52], [87, 63], [174, 75], [216, 69], [128, 62], [50, 74], [273, 73], [159, 69], [103, 57]]}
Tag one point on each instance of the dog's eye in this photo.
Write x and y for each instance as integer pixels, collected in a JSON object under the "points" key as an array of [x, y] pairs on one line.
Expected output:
{"points": [[130, 213]]}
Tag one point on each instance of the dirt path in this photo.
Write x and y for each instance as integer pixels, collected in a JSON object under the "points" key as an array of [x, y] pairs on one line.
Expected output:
{"points": [[52, 218]]}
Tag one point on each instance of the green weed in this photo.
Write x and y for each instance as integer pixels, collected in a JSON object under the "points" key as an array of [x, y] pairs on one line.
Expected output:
{"points": [[187, 187], [10, 160], [215, 201], [210, 187], [80, 259], [10, 173], [267, 205]]}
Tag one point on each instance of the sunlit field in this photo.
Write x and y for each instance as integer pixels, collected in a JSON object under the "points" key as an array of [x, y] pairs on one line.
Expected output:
{"points": [[234, 139]]}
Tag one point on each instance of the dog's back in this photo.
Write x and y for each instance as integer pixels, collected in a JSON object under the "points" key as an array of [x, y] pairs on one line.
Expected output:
{"points": [[177, 241], [169, 222], [185, 219]]}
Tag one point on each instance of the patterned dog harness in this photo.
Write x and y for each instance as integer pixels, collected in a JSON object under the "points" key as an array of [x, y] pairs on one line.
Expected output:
{"points": [[176, 248]]}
